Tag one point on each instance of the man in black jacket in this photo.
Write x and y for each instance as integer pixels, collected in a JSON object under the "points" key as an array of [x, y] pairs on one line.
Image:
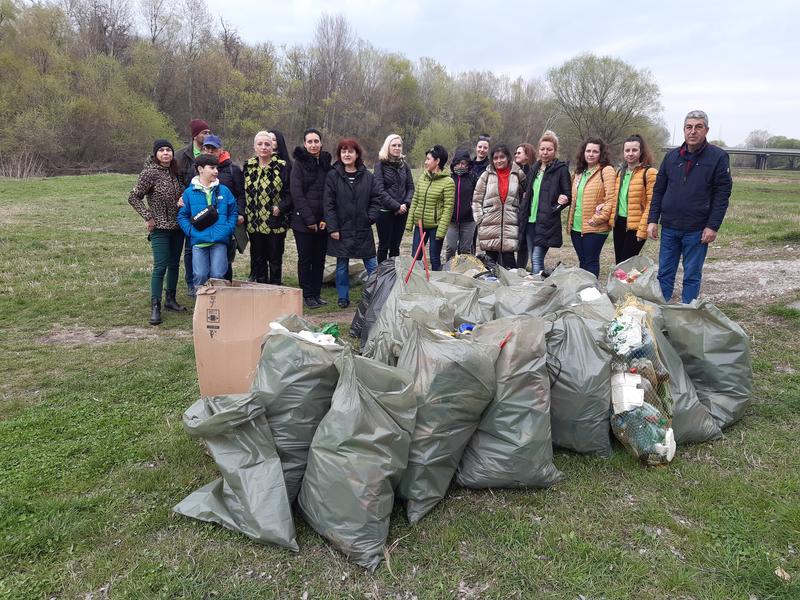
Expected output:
{"points": [[690, 199], [230, 175]]}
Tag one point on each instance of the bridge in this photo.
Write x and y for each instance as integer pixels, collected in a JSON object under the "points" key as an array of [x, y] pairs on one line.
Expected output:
{"points": [[761, 154]]}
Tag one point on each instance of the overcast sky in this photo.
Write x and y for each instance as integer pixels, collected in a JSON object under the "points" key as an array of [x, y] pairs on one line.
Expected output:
{"points": [[736, 60]]}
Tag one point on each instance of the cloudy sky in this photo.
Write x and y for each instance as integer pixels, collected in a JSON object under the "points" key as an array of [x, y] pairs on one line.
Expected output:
{"points": [[736, 60]]}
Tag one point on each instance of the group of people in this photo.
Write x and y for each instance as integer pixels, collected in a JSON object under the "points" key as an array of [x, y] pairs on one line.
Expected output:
{"points": [[508, 207]]}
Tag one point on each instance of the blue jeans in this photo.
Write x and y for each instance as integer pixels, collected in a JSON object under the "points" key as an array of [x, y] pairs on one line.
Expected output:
{"points": [[674, 245], [537, 252], [211, 261], [434, 247], [343, 274], [588, 248]]}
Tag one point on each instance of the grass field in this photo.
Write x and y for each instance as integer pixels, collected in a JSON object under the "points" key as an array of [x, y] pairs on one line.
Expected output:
{"points": [[93, 455]]}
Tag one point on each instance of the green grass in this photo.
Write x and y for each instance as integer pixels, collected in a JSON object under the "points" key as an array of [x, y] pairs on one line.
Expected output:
{"points": [[94, 455]]}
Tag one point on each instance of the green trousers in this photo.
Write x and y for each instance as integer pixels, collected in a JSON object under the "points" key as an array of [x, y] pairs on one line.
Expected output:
{"points": [[167, 245]]}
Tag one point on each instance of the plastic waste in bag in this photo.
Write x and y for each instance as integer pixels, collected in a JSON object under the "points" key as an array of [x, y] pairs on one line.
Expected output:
{"points": [[580, 392], [638, 276], [250, 497], [512, 446], [454, 381], [357, 458], [640, 391], [294, 383], [716, 354]]}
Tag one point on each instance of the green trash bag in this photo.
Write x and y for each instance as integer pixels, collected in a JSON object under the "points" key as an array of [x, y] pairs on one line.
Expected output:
{"points": [[570, 281], [580, 393], [691, 421], [533, 300], [358, 455], [716, 354], [454, 381], [294, 383], [250, 497], [512, 446], [643, 285]]}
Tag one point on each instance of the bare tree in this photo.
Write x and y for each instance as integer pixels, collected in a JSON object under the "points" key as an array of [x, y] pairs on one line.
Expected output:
{"points": [[105, 25], [333, 46], [231, 42], [605, 96], [159, 19], [758, 138]]}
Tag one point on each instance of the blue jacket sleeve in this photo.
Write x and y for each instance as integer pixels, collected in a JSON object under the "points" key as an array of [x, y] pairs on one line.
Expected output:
{"points": [[185, 215], [720, 192], [233, 211], [658, 192]]}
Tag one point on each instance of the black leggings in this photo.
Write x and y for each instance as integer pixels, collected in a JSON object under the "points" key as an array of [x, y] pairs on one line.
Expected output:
{"points": [[266, 251], [625, 243]]}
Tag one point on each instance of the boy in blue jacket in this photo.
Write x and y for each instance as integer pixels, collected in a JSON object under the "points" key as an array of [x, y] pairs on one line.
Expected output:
{"points": [[209, 244]]}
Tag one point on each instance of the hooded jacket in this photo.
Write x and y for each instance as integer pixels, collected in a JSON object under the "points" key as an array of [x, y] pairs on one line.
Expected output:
{"points": [[692, 196], [195, 200], [307, 184], [498, 221], [163, 190], [600, 189], [351, 210], [640, 194], [555, 181], [432, 203], [395, 184], [464, 189]]}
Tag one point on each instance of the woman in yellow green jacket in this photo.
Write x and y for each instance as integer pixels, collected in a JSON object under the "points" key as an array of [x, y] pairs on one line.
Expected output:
{"points": [[591, 215]]}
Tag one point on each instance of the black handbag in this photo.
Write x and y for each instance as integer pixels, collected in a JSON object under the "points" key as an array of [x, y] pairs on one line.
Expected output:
{"points": [[205, 218]]}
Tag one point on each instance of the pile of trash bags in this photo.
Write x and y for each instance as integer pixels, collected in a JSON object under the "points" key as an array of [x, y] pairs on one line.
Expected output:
{"points": [[468, 378]]}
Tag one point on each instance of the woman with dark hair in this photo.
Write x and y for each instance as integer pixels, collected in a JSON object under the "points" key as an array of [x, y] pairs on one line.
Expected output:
{"points": [[395, 185], [495, 207], [159, 182], [267, 205], [432, 206], [591, 215], [635, 182], [307, 179], [547, 194], [524, 157], [352, 205]]}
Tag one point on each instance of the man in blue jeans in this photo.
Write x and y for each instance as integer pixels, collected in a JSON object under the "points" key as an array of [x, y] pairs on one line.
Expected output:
{"points": [[690, 199]]}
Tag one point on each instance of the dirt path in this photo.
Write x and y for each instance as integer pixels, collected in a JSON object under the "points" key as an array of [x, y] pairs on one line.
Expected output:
{"points": [[750, 280]]}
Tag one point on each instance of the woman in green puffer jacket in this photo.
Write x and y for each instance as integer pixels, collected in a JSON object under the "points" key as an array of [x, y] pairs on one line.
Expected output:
{"points": [[432, 205]]}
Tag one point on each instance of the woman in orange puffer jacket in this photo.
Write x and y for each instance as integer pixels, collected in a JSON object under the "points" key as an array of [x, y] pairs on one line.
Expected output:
{"points": [[591, 215]]}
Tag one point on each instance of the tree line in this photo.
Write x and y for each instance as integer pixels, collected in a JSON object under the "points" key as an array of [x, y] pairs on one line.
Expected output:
{"points": [[88, 84]]}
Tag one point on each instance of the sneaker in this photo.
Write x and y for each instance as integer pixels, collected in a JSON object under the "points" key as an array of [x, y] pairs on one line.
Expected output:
{"points": [[343, 303], [320, 300], [311, 303]]}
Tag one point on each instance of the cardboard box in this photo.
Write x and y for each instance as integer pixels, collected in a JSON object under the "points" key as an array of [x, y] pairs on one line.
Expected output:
{"points": [[229, 323]]}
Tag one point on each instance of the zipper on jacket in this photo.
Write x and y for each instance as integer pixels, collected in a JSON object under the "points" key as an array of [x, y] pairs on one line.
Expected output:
{"points": [[458, 208]]}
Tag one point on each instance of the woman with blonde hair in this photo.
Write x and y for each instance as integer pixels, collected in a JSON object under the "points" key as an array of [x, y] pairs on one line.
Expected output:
{"points": [[395, 186], [591, 216], [635, 182], [547, 193]]}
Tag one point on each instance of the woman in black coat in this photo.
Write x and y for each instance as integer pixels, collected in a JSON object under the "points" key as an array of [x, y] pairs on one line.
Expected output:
{"points": [[307, 181], [352, 205], [548, 192], [395, 185]]}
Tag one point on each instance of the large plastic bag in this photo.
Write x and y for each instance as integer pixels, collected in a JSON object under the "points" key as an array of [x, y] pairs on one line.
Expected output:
{"points": [[358, 455], [691, 421], [512, 446], [716, 354], [251, 496], [638, 276], [294, 383], [377, 288], [531, 300], [570, 281], [454, 381], [580, 394]]}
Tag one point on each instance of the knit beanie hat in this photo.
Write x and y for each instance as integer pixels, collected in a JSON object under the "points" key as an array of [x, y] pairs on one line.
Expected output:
{"points": [[196, 126], [162, 144]]}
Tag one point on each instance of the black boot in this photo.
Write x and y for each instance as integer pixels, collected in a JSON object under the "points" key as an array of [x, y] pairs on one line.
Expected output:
{"points": [[155, 316], [171, 304]]}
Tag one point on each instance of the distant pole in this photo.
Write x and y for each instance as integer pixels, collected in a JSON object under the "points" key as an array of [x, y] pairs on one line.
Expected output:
{"points": [[673, 134]]}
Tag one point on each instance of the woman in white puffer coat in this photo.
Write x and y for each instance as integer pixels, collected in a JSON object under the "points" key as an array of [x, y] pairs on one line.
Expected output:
{"points": [[495, 207]]}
